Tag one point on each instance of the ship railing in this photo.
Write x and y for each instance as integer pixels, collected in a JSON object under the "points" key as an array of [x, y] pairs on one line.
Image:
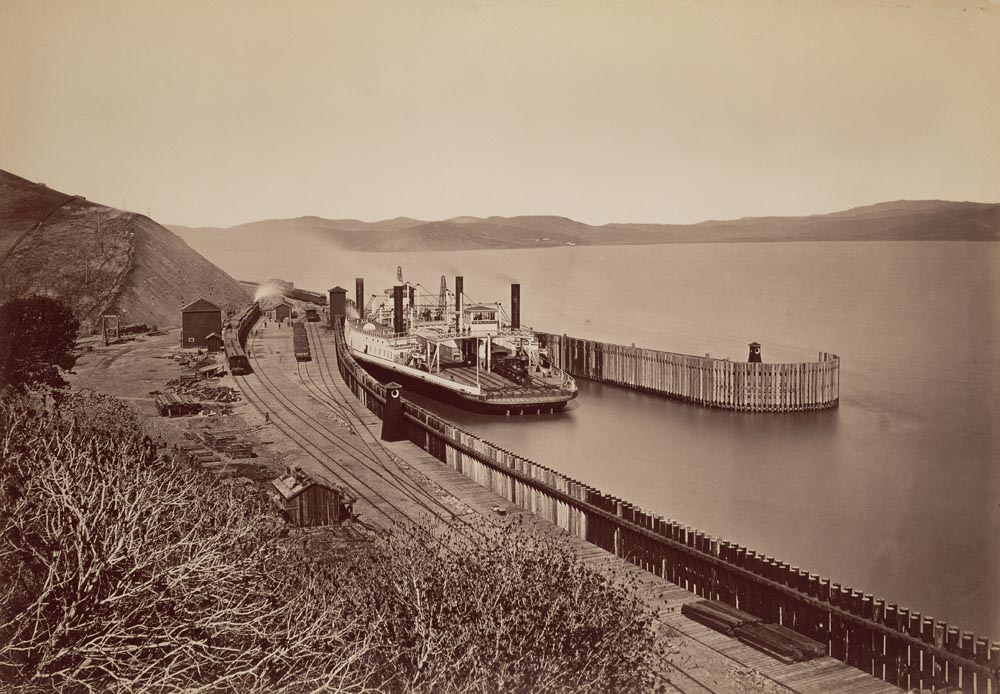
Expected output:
{"points": [[454, 334], [383, 332]]}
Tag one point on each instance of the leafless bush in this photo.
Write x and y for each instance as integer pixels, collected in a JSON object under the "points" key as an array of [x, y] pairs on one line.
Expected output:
{"points": [[496, 608], [118, 576]]}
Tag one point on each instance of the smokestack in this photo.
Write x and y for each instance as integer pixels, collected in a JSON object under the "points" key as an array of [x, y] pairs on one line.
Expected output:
{"points": [[515, 306], [397, 309], [359, 296], [459, 289]]}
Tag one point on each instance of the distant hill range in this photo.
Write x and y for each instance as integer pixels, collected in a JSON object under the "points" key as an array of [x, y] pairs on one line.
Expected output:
{"points": [[921, 220], [99, 259]]}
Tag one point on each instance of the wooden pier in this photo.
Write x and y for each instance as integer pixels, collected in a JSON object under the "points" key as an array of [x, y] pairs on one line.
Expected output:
{"points": [[880, 639], [731, 385]]}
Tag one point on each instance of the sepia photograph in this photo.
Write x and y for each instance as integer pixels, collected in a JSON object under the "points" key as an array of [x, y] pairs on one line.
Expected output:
{"points": [[482, 346]]}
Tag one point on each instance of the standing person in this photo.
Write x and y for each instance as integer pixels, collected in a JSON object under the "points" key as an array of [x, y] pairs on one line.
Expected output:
{"points": [[267, 418], [148, 450]]}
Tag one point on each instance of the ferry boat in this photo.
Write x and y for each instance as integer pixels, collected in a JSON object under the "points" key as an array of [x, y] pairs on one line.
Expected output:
{"points": [[465, 354]]}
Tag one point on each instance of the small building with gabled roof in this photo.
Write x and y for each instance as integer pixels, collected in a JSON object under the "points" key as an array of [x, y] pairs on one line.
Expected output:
{"points": [[305, 501], [214, 342], [282, 311], [200, 319]]}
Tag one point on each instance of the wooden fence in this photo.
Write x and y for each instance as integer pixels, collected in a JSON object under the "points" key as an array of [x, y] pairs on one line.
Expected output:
{"points": [[893, 643], [753, 387]]}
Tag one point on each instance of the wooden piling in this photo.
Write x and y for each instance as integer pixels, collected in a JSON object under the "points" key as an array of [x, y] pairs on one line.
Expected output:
{"points": [[744, 386]]}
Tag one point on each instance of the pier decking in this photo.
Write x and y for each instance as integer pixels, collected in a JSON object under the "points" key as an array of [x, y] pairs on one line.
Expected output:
{"points": [[321, 425]]}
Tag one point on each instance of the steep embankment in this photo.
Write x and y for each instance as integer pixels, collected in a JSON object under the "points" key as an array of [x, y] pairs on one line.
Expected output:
{"points": [[98, 259], [922, 220]]}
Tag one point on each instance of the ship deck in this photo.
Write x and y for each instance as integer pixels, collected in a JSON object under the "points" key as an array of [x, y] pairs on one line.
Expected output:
{"points": [[494, 383]]}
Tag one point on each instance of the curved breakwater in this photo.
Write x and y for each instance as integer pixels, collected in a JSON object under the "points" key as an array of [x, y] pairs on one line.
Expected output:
{"points": [[743, 386]]}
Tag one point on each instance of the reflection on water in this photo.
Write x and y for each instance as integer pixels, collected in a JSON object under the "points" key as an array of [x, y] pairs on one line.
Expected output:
{"points": [[897, 492]]}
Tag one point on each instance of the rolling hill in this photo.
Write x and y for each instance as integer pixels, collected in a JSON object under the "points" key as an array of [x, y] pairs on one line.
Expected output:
{"points": [[99, 259], [923, 220]]}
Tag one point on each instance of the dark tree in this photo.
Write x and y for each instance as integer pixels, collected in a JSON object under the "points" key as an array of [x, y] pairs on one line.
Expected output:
{"points": [[37, 337]]}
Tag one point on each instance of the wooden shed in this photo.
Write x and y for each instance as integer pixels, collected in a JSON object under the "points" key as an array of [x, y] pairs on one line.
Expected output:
{"points": [[214, 342], [305, 501], [282, 312]]}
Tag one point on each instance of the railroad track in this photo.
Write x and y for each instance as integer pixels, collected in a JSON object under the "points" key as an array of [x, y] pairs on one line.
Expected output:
{"points": [[361, 471], [335, 398]]}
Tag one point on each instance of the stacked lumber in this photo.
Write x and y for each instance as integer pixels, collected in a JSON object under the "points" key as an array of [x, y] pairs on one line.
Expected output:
{"points": [[203, 390], [172, 404], [780, 642], [718, 615], [230, 443]]}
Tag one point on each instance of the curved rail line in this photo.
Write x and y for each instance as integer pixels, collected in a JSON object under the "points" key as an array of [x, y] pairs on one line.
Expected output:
{"points": [[404, 487], [375, 447]]}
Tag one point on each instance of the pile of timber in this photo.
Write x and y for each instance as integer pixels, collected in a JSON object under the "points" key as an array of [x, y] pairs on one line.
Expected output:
{"points": [[777, 641], [229, 442], [718, 615], [173, 405], [199, 455], [780, 642], [188, 359], [203, 390]]}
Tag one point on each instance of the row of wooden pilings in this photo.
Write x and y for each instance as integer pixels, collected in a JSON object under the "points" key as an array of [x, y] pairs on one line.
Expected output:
{"points": [[893, 643], [747, 386]]}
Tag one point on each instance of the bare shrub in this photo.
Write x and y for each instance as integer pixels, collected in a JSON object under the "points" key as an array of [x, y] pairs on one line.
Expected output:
{"points": [[119, 576], [496, 608]]}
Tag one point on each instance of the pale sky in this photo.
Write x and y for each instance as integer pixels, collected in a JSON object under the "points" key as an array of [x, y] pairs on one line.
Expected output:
{"points": [[218, 113]]}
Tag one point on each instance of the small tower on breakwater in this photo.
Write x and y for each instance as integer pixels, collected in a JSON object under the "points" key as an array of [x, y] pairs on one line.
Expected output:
{"points": [[754, 353]]}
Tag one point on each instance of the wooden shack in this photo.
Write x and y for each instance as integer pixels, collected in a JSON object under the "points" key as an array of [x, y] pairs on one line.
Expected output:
{"points": [[307, 502], [214, 342]]}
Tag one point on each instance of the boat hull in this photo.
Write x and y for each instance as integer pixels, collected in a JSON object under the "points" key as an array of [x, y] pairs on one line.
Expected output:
{"points": [[465, 401]]}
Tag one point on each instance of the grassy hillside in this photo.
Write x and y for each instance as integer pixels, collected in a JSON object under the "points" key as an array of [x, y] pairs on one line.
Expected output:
{"points": [[99, 259], [923, 220]]}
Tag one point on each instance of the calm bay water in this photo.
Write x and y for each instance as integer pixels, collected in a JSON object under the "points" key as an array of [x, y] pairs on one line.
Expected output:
{"points": [[897, 492]]}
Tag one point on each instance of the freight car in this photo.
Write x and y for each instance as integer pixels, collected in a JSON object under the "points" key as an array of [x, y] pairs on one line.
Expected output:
{"points": [[235, 340], [303, 295], [312, 315], [239, 364], [300, 341]]}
